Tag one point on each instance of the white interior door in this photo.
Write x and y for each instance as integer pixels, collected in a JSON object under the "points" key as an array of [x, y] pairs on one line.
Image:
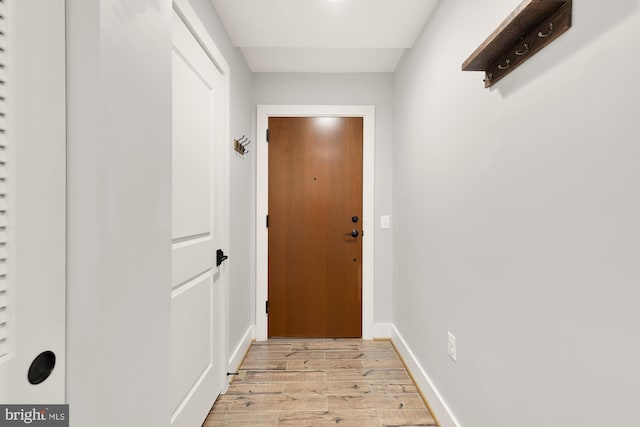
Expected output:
{"points": [[198, 293], [32, 201]]}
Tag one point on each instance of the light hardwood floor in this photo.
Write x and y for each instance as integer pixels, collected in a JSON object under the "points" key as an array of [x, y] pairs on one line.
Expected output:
{"points": [[321, 382]]}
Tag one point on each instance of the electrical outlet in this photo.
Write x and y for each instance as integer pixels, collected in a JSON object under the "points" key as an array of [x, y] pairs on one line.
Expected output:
{"points": [[451, 346]]}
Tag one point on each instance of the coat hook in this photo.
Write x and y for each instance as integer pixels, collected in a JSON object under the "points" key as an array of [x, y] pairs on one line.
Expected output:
{"points": [[504, 67], [542, 36], [489, 77], [239, 144], [526, 49]]}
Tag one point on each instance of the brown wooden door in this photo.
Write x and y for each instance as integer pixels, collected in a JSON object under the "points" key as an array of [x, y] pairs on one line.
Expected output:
{"points": [[315, 194]]}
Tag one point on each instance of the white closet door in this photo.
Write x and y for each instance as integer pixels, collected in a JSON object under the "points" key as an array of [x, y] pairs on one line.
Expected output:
{"points": [[32, 201], [198, 320]]}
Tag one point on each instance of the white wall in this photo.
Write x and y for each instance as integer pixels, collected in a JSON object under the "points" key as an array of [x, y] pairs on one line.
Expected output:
{"points": [[516, 219], [119, 212], [348, 89], [242, 246]]}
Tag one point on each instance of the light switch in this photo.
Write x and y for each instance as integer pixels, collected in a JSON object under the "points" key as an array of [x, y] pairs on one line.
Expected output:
{"points": [[385, 221]]}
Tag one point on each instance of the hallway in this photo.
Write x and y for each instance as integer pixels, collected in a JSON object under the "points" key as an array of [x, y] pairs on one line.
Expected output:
{"points": [[300, 382], [499, 227]]}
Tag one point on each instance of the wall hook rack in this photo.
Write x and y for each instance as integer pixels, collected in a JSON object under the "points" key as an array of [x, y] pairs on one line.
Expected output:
{"points": [[531, 27], [241, 144]]}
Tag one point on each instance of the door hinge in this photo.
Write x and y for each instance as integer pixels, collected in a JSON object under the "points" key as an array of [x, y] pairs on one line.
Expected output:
{"points": [[266, 307], [267, 221], [268, 135]]}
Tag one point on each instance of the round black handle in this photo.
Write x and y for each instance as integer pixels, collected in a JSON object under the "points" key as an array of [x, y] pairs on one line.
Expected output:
{"points": [[354, 219], [41, 367], [354, 234]]}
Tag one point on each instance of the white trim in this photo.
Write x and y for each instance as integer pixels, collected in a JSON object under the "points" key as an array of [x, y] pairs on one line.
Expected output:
{"points": [[197, 28], [367, 112], [438, 405], [192, 21], [241, 350], [382, 330]]}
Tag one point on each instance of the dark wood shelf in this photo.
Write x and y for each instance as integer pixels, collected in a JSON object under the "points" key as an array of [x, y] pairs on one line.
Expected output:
{"points": [[531, 27]]}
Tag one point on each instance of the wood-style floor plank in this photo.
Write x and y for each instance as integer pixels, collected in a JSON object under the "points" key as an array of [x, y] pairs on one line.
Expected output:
{"points": [[278, 402], [265, 365], [321, 383], [260, 419], [254, 388], [367, 374], [285, 355], [329, 388], [302, 365], [404, 401], [367, 418], [283, 376], [362, 355]]}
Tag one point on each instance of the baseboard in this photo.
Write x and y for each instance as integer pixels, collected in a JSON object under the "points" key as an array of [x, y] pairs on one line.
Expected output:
{"points": [[382, 330], [436, 403], [243, 346]]}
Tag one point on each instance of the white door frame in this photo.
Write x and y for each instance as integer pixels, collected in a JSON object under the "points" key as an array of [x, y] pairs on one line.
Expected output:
{"points": [[367, 112], [190, 17]]}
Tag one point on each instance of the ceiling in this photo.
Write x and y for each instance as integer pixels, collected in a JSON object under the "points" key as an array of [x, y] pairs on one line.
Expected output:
{"points": [[329, 36]]}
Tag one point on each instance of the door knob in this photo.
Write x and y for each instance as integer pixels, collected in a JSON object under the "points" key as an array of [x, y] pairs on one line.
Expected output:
{"points": [[354, 234], [354, 219]]}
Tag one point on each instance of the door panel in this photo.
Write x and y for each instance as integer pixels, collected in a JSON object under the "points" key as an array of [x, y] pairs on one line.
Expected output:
{"points": [[198, 367], [315, 189], [193, 88], [191, 332]]}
